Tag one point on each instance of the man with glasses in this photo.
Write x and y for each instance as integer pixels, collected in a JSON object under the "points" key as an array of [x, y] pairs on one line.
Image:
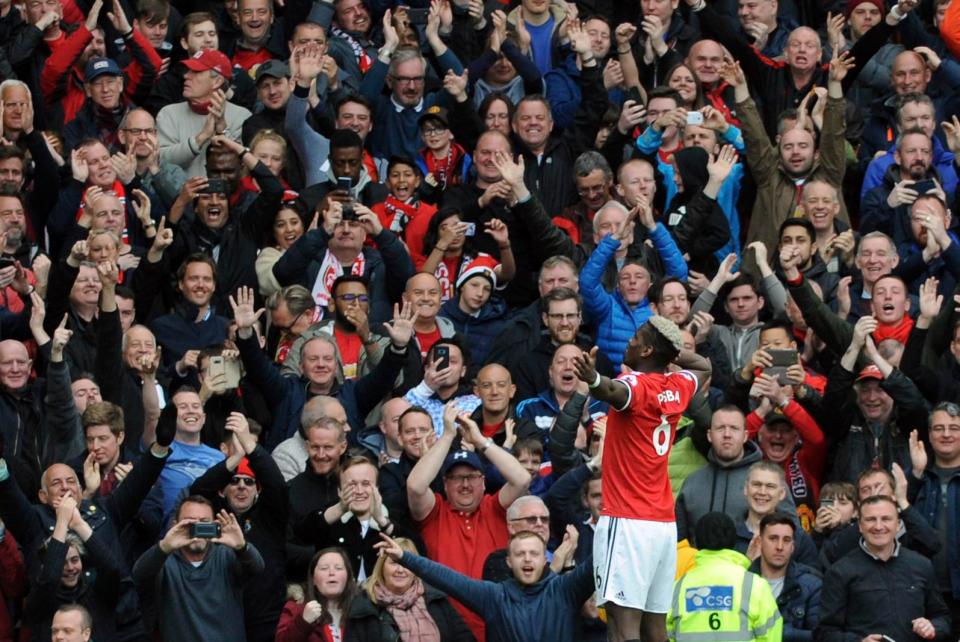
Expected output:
{"points": [[402, 70], [475, 522], [138, 138], [562, 322], [594, 180], [938, 497], [358, 349], [527, 513]]}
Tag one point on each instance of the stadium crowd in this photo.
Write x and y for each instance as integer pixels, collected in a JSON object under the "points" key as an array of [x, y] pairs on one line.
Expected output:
{"points": [[506, 320]]}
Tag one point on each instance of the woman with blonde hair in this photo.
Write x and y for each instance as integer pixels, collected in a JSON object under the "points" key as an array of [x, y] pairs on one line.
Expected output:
{"points": [[397, 605]]}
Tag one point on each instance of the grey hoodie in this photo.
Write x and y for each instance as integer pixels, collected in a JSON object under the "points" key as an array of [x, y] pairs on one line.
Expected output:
{"points": [[719, 486]]}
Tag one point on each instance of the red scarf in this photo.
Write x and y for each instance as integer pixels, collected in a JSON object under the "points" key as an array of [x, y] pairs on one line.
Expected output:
{"points": [[199, 108], [371, 166], [398, 214], [897, 331], [443, 169]]}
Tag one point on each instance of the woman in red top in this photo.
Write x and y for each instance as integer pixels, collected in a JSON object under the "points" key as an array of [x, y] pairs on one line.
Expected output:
{"points": [[331, 588]]}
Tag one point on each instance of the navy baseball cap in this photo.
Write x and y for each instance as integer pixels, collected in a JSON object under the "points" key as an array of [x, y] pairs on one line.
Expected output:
{"points": [[462, 458], [101, 67]]}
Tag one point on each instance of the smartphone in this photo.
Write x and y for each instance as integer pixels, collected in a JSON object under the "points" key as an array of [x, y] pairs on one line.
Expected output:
{"points": [[230, 368], [782, 359], [471, 229], [694, 118], [418, 16], [924, 186], [205, 530], [632, 93], [215, 186], [442, 354], [344, 183], [826, 503], [348, 213], [7, 261]]}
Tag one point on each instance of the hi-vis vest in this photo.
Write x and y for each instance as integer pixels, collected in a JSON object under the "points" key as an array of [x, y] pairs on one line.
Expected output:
{"points": [[720, 601]]}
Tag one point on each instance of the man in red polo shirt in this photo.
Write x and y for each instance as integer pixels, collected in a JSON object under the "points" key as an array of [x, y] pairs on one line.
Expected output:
{"points": [[462, 530]]}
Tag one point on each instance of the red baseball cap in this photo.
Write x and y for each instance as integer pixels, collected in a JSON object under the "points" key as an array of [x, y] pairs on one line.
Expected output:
{"points": [[210, 60], [870, 372]]}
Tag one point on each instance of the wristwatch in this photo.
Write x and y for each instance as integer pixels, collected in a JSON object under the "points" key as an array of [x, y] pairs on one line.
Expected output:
{"points": [[486, 444]]}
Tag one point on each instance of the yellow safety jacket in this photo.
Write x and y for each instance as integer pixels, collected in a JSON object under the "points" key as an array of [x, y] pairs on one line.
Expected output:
{"points": [[720, 601]]}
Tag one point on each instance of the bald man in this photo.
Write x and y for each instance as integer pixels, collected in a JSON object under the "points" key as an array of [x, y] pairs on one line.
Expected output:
{"points": [[22, 413], [494, 386], [910, 74], [107, 515], [780, 86]]}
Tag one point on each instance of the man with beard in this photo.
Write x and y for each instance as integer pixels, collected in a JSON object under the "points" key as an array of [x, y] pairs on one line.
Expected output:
{"points": [[780, 171], [138, 138], [200, 578], [17, 248], [562, 319], [249, 485], [886, 207], [353, 43], [46, 171], [358, 349]]}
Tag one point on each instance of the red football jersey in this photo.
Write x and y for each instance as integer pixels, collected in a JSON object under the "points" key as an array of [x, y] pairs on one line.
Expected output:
{"points": [[638, 441]]}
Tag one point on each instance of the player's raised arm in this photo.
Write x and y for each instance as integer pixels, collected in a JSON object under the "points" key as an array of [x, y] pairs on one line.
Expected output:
{"points": [[601, 388], [698, 365]]}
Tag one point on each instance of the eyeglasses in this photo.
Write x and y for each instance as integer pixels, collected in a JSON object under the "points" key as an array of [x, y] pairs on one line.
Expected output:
{"points": [[246, 481], [533, 520], [411, 80], [469, 477], [559, 316], [286, 328], [433, 131], [593, 189], [140, 131], [350, 298]]}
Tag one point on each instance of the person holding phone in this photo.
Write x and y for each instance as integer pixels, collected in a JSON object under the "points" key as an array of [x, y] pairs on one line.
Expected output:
{"points": [[200, 579]]}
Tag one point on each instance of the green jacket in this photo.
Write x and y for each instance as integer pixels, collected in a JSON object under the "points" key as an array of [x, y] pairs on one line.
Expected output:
{"points": [[719, 600]]}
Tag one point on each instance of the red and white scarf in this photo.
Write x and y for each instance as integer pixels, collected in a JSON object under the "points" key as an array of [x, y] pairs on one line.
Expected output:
{"points": [[399, 214], [330, 269], [444, 169], [359, 52]]}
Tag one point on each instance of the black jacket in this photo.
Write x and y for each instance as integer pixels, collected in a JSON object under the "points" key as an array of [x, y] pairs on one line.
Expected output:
{"points": [[530, 372], [917, 535], [368, 622], [863, 595], [393, 490], [307, 493]]}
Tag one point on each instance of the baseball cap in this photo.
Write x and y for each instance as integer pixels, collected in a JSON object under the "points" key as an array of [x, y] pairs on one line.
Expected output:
{"points": [[101, 67], [870, 372], [210, 60], [775, 417], [435, 113], [462, 458], [272, 69]]}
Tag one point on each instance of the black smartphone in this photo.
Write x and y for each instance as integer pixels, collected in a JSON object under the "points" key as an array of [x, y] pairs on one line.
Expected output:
{"points": [[442, 354], [7, 261], [632, 93], [924, 186], [418, 16], [205, 530], [215, 186], [348, 213], [782, 359], [344, 183]]}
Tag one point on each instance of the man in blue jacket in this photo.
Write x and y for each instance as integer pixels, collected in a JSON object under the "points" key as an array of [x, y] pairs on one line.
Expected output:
{"points": [[617, 316], [507, 607]]}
